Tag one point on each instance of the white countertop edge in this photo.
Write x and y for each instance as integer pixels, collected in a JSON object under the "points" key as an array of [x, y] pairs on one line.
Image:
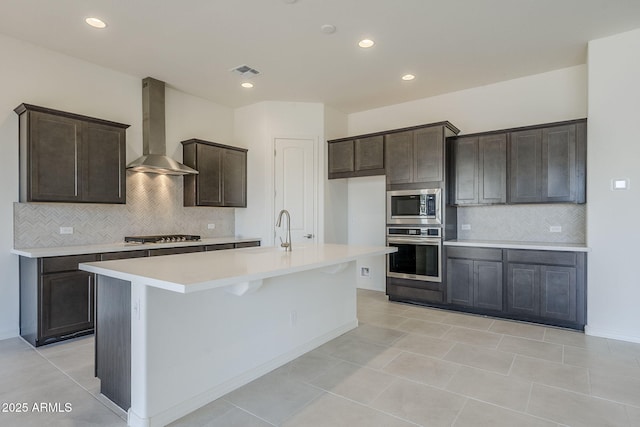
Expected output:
{"points": [[121, 247], [505, 244], [93, 267]]}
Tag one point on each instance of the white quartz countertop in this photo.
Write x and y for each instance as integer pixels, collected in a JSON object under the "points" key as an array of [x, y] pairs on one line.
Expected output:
{"points": [[207, 270], [117, 247], [506, 244]]}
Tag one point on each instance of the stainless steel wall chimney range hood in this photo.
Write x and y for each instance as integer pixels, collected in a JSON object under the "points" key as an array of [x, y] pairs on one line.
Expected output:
{"points": [[154, 157]]}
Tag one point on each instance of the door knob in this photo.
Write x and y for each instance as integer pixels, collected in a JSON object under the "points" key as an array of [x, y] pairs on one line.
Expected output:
{"points": [[309, 236]]}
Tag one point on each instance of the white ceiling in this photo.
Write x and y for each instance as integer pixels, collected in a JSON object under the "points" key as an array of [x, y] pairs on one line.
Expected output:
{"points": [[448, 44]]}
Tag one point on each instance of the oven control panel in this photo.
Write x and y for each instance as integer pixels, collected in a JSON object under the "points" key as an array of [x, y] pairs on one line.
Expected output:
{"points": [[414, 231]]}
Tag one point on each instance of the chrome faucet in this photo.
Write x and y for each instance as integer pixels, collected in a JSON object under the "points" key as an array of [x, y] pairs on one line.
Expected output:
{"points": [[287, 243]]}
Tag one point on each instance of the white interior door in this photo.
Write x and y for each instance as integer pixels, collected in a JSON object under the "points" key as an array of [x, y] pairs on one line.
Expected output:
{"points": [[295, 188]]}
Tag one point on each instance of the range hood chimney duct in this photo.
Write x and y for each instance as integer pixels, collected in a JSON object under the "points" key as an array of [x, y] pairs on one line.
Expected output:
{"points": [[154, 157]]}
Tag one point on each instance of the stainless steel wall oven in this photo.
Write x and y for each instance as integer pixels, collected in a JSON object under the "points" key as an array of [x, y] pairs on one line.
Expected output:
{"points": [[419, 255]]}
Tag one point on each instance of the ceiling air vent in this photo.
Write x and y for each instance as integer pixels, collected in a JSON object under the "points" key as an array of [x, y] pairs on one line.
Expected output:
{"points": [[245, 71]]}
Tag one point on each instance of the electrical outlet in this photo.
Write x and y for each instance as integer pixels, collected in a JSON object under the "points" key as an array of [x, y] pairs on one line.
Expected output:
{"points": [[211, 226], [66, 230], [465, 227], [365, 272], [555, 229]]}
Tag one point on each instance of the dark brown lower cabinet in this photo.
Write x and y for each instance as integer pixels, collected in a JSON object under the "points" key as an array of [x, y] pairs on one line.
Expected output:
{"points": [[551, 292], [67, 303], [546, 287], [474, 277], [56, 299]]}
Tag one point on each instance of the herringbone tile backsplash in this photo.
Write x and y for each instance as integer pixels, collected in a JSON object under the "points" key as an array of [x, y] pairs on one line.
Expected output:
{"points": [[154, 206], [525, 223]]}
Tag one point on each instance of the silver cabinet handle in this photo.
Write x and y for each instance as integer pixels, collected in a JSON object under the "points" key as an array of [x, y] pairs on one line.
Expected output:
{"points": [[309, 236]]}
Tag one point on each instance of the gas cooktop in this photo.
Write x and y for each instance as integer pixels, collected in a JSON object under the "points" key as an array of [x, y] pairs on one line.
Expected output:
{"points": [[162, 238]]}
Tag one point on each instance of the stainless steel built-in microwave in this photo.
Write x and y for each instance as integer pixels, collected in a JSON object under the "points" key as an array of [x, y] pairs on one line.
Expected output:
{"points": [[414, 206]]}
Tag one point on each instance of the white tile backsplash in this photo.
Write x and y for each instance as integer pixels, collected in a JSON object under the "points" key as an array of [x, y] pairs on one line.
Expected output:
{"points": [[154, 206], [527, 223]]}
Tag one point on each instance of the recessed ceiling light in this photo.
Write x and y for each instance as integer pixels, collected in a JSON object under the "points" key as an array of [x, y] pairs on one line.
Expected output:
{"points": [[247, 85], [366, 43], [96, 23], [408, 77]]}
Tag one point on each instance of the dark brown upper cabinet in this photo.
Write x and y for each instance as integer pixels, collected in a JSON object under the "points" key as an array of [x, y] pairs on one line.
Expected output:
{"points": [[480, 169], [548, 164], [222, 177], [350, 158], [416, 155], [66, 157]]}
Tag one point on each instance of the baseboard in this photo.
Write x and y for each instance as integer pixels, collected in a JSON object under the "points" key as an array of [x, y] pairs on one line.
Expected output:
{"points": [[604, 333], [220, 390]]}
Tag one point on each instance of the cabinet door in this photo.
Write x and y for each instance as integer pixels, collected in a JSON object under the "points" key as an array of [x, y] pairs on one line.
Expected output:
{"points": [[460, 281], [234, 178], [559, 164], [558, 292], [54, 158], [492, 169], [66, 303], [369, 154], [466, 170], [526, 166], [523, 289], [487, 285], [399, 157], [209, 178], [428, 154], [341, 157], [103, 164]]}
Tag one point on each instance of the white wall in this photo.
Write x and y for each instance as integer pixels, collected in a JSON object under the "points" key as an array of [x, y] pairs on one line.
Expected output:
{"points": [[336, 190], [542, 98], [256, 127], [42, 77], [613, 232], [367, 227]]}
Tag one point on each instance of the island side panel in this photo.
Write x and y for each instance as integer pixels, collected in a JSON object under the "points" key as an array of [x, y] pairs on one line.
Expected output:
{"points": [[190, 349], [113, 339]]}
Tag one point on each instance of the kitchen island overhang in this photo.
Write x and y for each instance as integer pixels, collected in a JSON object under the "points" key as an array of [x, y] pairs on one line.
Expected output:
{"points": [[204, 324]]}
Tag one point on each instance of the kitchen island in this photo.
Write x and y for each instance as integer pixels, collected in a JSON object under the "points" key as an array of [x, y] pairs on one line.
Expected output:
{"points": [[176, 332]]}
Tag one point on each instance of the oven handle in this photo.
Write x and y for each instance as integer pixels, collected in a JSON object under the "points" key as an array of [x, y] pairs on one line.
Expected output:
{"points": [[421, 241]]}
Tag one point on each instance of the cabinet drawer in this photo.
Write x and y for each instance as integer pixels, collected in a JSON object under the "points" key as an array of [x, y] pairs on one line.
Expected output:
{"points": [[65, 263], [123, 255], [487, 254], [542, 257], [247, 244], [174, 251], [219, 247]]}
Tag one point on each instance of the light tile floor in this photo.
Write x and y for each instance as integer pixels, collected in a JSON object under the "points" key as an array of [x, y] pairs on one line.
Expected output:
{"points": [[403, 366]]}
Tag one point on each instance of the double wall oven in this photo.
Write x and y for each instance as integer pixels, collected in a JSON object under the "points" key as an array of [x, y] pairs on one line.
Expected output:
{"points": [[414, 226]]}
